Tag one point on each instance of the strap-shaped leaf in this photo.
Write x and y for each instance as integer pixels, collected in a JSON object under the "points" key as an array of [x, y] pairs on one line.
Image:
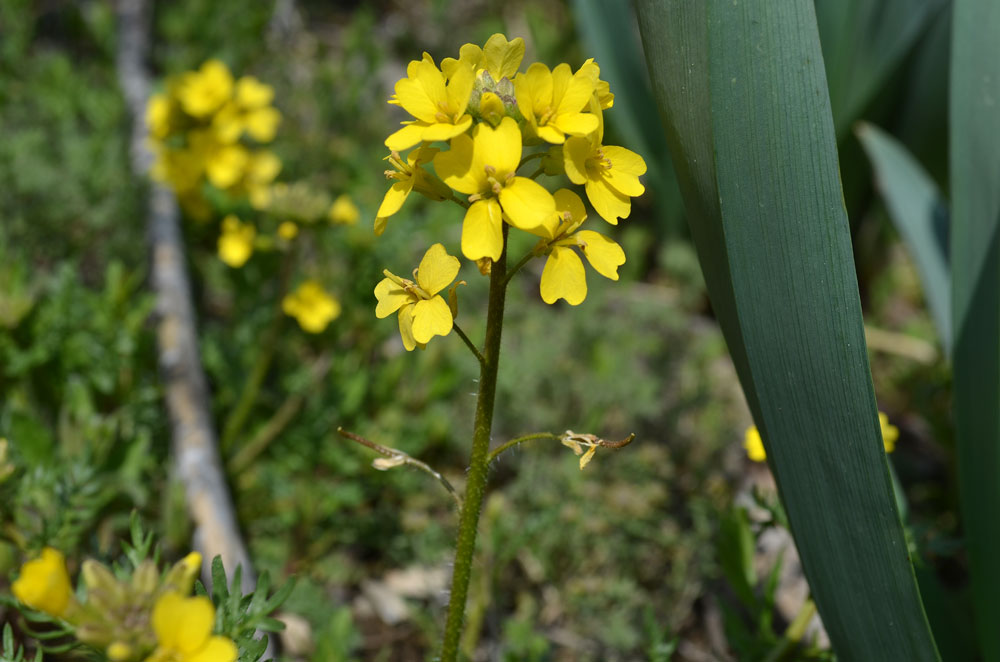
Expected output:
{"points": [[975, 260], [919, 214], [745, 103]]}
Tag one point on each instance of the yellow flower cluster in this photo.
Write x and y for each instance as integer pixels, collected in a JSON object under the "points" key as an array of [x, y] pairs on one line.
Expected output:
{"points": [[198, 130], [145, 618], [497, 119], [754, 445]]}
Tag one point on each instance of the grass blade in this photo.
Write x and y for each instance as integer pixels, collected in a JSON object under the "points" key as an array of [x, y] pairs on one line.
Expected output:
{"points": [[975, 259], [919, 213], [748, 119]]}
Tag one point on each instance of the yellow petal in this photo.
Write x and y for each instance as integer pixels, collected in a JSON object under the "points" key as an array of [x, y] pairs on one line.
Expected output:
{"points": [[482, 230], [579, 89], [503, 57], [166, 613], [395, 197], [550, 133], [217, 649], [533, 90], [391, 297], [406, 137], [528, 205], [431, 317], [587, 457], [262, 124], [577, 124], [754, 445], [499, 148], [625, 160], [455, 167], [43, 583], [251, 93], [459, 89], [406, 327], [226, 165], [575, 154], [447, 130], [608, 203], [437, 269], [420, 94], [469, 55], [569, 202], [604, 255], [563, 277]]}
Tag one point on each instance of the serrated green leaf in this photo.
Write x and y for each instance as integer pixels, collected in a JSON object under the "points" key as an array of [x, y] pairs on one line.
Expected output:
{"points": [[747, 113], [975, 259], [920, 215]]}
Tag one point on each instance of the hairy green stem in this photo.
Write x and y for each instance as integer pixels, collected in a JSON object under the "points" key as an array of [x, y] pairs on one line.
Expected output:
{"points": [[475, 486]]}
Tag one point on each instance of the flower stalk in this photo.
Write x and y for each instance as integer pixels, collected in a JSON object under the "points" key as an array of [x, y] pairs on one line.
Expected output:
{"points": [[475, 487]]}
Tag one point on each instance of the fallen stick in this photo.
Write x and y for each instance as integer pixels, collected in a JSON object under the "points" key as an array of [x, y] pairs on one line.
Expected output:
{"points": [[194, 445]]}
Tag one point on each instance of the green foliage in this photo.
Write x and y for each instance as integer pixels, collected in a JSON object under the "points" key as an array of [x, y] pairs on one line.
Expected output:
{"points": [[765, 187], [240, 617], [10, 653]]}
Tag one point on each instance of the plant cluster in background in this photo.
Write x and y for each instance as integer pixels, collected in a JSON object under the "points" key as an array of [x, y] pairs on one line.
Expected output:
{"points": [[135, 612]]}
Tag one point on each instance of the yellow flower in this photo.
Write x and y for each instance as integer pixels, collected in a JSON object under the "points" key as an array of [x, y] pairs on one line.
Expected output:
{"points": [[890, 433], [236, 241], [180, 168], [203, 92], [344, 211], [554, 102], [263, 166], [249, 111], [226, 164], [754, 445], [483, 166], [311, 306], [410, 176], [423, 313], [438, 104], [563, 276], [183, 628], [288, 230], [158, 116], [610, 174], [499, 58], [44, 583]]}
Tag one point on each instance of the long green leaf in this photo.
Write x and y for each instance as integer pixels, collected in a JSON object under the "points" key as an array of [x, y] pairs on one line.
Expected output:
{"points": [[975, 259], [608, 30], [747, 115], [863, 43], [919, 214]]}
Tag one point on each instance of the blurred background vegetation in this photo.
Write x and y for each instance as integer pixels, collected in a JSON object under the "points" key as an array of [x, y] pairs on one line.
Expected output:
{"points": [[616, 562]]}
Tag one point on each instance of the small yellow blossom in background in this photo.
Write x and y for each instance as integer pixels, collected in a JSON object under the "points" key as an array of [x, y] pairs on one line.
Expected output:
{"points": [[203, 92], [183, 628], [890, 433], [343, 211], [610, 174], [563, 276], [754, 445], [410, 175], [288, 230], [236, 241], [311, 306], [423, 313], [44, 583], [158, 116], [483, 166]]}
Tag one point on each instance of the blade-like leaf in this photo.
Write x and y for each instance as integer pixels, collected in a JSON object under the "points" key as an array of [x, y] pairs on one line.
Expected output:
{"points": [[919, 214], [748, 120], [608, 30], [975, 259], [863, 43]]}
